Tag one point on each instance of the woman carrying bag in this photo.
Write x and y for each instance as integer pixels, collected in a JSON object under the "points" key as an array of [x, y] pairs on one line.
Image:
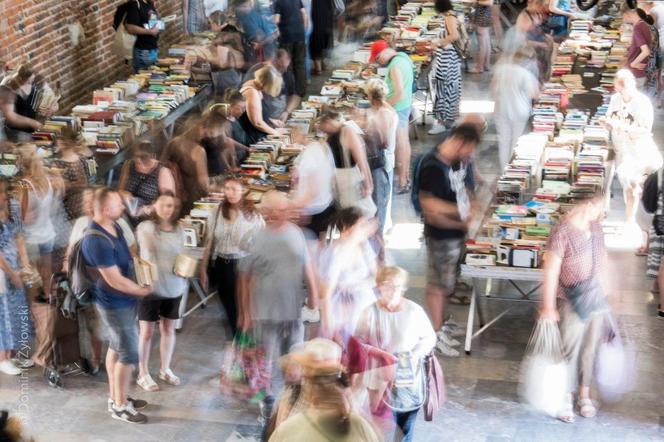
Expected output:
{"points": [[160, 242], [401, 327]]}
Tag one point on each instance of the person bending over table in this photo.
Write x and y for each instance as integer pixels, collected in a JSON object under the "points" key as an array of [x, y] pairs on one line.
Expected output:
{"points": [[256, 121]]}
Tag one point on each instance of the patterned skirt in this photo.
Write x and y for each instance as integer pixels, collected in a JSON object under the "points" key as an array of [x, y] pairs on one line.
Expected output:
{"points": [[482, 16], [655, 252], [15, 320], [447, 81]]}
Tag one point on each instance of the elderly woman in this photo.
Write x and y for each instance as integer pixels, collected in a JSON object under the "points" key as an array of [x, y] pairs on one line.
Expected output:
{"points": [[401, 327], [256, 121], [575, 270]]}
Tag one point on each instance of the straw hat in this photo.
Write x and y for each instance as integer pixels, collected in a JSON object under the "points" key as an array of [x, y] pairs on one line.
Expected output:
{"points": [[317, 357]]}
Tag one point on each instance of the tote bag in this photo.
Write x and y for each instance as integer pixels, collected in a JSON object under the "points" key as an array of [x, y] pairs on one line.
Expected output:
{"points": [[348, 188]]}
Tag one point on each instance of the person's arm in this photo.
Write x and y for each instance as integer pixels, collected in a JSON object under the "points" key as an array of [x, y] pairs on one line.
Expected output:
{"points": [[166, 180], [397, 85], [13, 119], [200, 161], [139, 30], [452, 31], [310, 278], [554, 9], [427, 336], [639, 61], [552, 265], [305, 19], [440, 214], [114, 279], [244, 309], [293, 103], [255, 112], [351, 140]]}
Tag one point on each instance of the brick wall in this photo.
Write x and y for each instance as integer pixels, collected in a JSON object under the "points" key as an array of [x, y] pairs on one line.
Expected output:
{"points": [[37, 31]]}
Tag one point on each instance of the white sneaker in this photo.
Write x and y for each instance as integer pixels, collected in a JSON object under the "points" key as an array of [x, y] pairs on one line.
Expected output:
{"points": [[310, 315], [23, 363], [7, 367], [437, 129], [446, 350], [448, 340], [453, 331]]}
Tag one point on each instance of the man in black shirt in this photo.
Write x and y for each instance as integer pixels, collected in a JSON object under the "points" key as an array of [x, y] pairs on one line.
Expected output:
{"points": [[446, 185], [292, 18], [142, 22]]}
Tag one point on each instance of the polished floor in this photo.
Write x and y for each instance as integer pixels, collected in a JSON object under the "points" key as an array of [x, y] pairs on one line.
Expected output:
{"points": [[483, 402]]}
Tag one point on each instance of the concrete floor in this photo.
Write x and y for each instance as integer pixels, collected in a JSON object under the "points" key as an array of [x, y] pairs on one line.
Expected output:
{"points": [[483, 403]]}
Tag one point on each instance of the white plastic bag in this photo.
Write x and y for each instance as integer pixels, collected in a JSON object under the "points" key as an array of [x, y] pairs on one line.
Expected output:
{"points": [[614, 366], [544, 379]]}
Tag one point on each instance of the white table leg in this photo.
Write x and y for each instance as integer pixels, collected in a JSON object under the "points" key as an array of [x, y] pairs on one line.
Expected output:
{"points": [[471, 319]]}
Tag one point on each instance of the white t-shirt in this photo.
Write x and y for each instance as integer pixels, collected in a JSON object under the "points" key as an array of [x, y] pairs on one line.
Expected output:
{"points": [[513, 89], [315, 166], [83, 222], [635, 113]]}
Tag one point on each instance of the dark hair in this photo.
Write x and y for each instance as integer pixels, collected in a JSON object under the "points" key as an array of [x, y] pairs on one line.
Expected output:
{"points": [[232, 96], [442, 6], [467, 133], [155, 218], [145, 149], [247, 207], [218, 18], [347, 218], [102, 194]]}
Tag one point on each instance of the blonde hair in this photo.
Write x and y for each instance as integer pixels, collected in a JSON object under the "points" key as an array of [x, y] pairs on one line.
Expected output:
{"points": [[391, 274], [377, 90], [269, 80]]}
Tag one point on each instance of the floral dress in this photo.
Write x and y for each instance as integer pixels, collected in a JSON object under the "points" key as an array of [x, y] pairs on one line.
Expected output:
{"points": [[15, 322]]}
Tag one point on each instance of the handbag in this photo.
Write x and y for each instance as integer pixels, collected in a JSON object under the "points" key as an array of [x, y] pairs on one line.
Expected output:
{"points": [[658, 219], [436, 394], [615, 363], [348, 188], [123, 41]]}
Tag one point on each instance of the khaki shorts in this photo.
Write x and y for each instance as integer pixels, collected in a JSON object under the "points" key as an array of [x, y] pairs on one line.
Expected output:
{"points": [[443, 257]]}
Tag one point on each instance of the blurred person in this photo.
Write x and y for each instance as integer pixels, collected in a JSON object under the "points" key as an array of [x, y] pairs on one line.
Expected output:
{"points": [[141, 21], [293, 20], [323, 411], [313, 193], [223, 153], [514, 88], [574, 270], [308, 30], [402, 328], [186, 151], [347, 275], [142, 179], [271, 284], [12, 428], [212, 6], [19, 116], [15, 318], [73, 166], [640, 48], [497, 24], [237, 223], [38, 197], [226, 28], [630, 118], [259, 31], [322, 34], [115, 295], [237, 105], [280, 107], [382, 124], [160, 241], [446, 189], [225, 56], [193, 16], [257, 121], [346, 146], [400, 78], [447, 78], [560, 15], [87, 314], [656, 12], [361, 19], [483, 22]]}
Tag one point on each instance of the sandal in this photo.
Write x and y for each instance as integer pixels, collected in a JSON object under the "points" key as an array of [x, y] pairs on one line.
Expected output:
{"points": [[168, 377], [567, 413], [147, 383], [586, 408], [459, 299]]}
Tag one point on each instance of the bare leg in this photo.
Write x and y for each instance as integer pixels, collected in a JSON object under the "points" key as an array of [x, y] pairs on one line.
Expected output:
{"points": [[403, 155], [5, 355], [632, 195], [122, 377], [436, 299], [45, 268], [660, 284], [167, 342], [497, 25], [111, 366], [146, 331], [95, 348]]}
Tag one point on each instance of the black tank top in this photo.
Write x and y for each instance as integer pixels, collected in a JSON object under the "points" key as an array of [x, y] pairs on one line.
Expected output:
{"points": [[254, 135], [338, 151], [212, 152]]}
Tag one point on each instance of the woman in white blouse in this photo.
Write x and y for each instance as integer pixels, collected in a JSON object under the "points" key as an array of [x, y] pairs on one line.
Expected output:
{"points": [[160, 241], [399, 326], [236, 224]]}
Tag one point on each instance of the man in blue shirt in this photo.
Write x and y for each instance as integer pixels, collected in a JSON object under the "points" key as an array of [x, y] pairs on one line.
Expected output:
{"points": [[258, 29], [109, 262]]}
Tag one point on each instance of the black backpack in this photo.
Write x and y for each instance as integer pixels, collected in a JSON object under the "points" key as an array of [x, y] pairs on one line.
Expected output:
{"points": [[120, 13], [78, 273], [420, 162]]}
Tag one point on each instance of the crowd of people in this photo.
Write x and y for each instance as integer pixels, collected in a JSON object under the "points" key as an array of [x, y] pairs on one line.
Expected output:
{"points": [[315, 254]]}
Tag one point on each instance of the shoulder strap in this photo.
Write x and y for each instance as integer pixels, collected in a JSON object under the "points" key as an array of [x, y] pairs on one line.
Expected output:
{"points": [[93, 232]]}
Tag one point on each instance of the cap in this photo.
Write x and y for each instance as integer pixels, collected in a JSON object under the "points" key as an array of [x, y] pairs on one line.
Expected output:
{"points": [[377, 47]]}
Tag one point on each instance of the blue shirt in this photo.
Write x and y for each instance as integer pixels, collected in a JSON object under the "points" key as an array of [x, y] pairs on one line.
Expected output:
{"points": [[99, 252]]}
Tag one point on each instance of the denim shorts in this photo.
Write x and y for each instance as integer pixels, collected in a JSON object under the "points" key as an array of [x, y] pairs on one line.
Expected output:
{"points": [[443, 257], [122, 332], [37, 250], [404, 118], [144, 58]]}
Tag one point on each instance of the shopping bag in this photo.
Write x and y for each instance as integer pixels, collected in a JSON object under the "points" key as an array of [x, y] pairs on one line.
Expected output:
{"points": [[614, 366], [244, 371], [544, 377]]}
